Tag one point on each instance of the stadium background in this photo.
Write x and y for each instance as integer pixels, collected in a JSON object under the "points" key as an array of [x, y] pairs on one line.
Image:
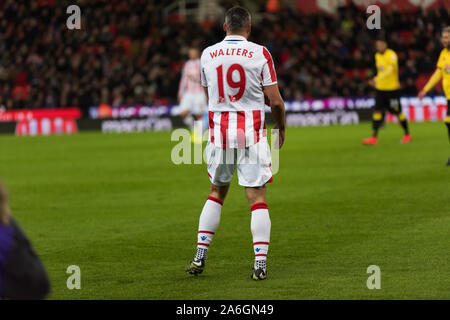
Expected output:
{"points": [[130, 54], [115, 205]]}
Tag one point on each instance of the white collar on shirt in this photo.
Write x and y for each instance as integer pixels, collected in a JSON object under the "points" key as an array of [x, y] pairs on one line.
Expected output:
{"points": [[235, 37]]}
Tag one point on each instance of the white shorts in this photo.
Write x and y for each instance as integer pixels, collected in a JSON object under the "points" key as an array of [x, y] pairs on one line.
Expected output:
{"points": [[195, 103], [254, 164]]}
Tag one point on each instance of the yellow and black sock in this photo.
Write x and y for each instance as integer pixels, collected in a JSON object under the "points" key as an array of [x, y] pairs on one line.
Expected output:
{"points": [[447, 123], [377, 120], [403, 122]]}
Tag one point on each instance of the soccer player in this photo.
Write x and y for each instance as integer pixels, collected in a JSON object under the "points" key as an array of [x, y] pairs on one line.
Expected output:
{"points": [[239, 76], [387, 88], [191, 95], [442, 71]]}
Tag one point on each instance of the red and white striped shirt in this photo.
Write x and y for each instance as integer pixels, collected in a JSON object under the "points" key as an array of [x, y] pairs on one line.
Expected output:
{"points": [[190, 81], [235, 72], [236, 129]]}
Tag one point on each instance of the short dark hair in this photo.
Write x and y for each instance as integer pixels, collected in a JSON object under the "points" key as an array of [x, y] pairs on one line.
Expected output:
{"points": [[446, 30], [381, 37], [237, 19]]}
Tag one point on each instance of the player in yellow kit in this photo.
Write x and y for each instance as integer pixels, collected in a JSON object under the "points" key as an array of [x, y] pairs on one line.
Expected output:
{"points": [[387, 86], [442, 71]]}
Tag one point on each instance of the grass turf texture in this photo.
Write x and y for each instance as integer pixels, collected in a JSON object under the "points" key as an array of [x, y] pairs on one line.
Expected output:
{"points": [[116, 206]]}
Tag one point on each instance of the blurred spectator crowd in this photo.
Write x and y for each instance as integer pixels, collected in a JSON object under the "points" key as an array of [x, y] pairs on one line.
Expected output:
{"points": [[128, 52]]}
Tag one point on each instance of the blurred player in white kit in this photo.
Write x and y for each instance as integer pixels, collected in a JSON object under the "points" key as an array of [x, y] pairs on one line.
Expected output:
{"points": [[191, 95], [239, 78]]}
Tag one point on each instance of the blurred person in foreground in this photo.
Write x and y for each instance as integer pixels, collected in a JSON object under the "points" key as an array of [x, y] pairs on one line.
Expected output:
{"points": [[442, 71], [22, 275], [387, 87], [191, 95]]}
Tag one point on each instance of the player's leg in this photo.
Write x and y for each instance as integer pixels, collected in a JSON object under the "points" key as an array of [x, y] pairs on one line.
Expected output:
{"points": [[254, 171], [185, 111], [260, 227], [197, 132], [207, 226], [377, 118], [210, 219], [197, 110], [220, 172], [395, 108], [187, 119], [377, 121], [447, 123]]}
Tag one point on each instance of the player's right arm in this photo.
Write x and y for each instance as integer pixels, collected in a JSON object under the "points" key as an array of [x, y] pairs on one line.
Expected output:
{"points": [[435, 78], [276, 103]]}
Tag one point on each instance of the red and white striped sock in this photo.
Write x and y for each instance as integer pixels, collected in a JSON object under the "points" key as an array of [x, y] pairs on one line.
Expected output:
{"points": [[260, 226], [207, 226]]}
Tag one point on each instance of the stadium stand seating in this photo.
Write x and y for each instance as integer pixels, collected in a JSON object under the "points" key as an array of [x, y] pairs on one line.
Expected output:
{"points": [[133, 54]]}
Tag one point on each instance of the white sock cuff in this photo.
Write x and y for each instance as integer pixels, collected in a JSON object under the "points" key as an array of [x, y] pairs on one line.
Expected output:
{"points": [[259, 206], [215, 200], [260, 248], [208, 222]]}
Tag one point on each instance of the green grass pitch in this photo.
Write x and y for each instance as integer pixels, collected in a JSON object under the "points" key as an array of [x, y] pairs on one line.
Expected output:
{"points": [[116, 206]]}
